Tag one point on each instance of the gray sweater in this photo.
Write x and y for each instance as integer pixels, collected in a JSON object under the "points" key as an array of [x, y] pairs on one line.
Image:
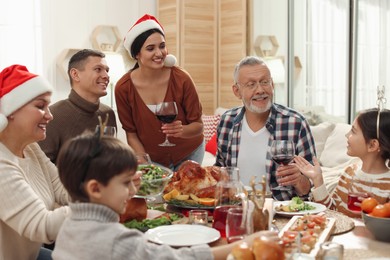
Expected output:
{"points": [[93, 232]]}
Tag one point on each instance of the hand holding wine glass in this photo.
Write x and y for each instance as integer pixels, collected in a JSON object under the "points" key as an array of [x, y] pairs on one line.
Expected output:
{"points": [[166, 112], [282, 152]]}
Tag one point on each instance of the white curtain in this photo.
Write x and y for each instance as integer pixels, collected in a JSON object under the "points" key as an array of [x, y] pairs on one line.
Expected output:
{"points": [[20, 34], [327, 55], [373, 61]]}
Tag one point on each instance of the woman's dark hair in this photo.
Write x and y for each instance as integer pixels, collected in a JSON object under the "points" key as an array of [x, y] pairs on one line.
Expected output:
{"points": [[138, 42], [87, 157], [367, 121]]}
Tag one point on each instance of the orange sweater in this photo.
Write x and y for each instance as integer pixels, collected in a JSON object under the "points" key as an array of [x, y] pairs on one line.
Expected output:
{"points": [[136, 117], [379, 188]]}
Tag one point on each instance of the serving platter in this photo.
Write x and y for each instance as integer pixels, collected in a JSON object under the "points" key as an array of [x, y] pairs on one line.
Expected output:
{"points": [[182, 235], [317, 209], [185, 205], [322, 236]]}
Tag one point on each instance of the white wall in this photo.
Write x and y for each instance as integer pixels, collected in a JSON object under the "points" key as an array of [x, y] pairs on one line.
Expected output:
{"points": [[69, 24]]}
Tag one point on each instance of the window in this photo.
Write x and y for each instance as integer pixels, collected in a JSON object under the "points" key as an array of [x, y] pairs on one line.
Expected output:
{"points": [[344, 49], [21, 34]]}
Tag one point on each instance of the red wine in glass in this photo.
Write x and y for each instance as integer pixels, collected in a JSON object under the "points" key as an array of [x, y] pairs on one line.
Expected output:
{"points": [[281, 159], [283, 152], [166, 112], [166, 118]]}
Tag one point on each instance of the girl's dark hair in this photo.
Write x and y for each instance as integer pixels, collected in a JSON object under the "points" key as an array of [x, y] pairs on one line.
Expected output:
{"points": [[138, 42], [367, 121], [87, 157]]}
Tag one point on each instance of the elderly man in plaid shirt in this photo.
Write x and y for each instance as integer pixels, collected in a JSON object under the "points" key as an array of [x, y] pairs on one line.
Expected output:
{"points": [[245, 133]]}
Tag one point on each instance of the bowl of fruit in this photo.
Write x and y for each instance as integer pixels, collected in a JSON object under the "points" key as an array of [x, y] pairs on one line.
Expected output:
{"points": [[154, 178], [376, 217]]}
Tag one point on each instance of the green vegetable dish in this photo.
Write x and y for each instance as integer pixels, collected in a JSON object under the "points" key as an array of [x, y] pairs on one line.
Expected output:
{"points": [[153, 180], [144, 225], [297, 204]]}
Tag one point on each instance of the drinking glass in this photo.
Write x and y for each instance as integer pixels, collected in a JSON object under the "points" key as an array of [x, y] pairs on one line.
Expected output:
{"points": [[166, 112], [356, 193], [331, 251], [234, 229], [229, 193], [283, 152], [108, 130], [143, 158]]}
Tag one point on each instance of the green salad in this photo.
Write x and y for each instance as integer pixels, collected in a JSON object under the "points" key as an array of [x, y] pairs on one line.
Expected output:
{"points": [[297, 204], [144, 225], [153, 179]]}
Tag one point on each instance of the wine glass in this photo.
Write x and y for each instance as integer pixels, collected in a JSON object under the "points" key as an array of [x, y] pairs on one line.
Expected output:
{"points": [[166, 112], [283, 152]]}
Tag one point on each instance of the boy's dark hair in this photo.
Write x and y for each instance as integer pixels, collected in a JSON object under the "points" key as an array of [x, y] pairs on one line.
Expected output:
{"points": [[367, 121], [77, 61], [87, 157], [135, 48]]}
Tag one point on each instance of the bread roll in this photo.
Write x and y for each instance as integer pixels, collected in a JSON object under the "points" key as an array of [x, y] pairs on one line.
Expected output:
{"points": [[242, 252], [136, 209], [266, 249]]}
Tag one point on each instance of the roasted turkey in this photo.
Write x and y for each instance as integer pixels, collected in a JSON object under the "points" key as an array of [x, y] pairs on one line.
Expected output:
{"points": [[192, 178]]}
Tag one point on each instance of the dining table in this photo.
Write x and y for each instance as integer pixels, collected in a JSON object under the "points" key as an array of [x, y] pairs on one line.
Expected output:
{"points": [[356, 239]]}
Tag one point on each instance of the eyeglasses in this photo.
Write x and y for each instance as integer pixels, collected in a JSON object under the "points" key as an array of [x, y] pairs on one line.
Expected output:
{"points": [[381, 101], [251, 85]]}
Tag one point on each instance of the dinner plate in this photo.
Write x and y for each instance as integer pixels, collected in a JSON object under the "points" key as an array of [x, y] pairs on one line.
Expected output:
{"points": [[182, 235], [318, 208]]}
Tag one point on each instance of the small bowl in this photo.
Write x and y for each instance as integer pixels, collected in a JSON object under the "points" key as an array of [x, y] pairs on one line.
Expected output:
{"points": [[379, 227], [154, 187]]}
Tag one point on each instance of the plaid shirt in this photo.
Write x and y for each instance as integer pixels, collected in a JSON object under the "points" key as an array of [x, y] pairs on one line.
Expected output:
{"points": [[282, 123]]}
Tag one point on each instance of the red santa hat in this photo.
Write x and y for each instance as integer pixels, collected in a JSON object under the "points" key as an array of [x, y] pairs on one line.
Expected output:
{"points": [[146, 23], [18, 87]]}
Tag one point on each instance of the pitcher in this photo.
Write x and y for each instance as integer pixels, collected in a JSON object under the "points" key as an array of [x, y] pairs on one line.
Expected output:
{"points": [[229, 193]]}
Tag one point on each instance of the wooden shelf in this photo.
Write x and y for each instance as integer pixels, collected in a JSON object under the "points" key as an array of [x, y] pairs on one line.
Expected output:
{"points": [[63, 60]]}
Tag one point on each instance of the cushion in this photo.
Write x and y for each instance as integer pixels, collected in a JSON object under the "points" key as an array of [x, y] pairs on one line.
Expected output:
{"points": [[211, 145], [208, 159], [335, 150], [320, 134], [210, 123]]}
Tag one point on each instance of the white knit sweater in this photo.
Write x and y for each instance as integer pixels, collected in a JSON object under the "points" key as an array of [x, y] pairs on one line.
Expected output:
{"points": [[93, 232], [29, 190]]}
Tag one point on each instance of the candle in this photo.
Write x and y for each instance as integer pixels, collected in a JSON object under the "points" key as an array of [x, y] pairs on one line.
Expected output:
{"points": [[198, 217], [269, 205]]}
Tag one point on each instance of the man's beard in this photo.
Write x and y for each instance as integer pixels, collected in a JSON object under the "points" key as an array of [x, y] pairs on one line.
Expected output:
{"points": [[259, 110]]}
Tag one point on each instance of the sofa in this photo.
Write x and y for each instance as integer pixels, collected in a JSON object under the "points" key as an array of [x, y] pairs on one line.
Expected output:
{"points": [[329, 138]]}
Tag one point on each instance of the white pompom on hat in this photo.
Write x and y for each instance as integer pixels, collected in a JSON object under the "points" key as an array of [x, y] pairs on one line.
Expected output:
{"points": [[18, 87], [146, 23]]}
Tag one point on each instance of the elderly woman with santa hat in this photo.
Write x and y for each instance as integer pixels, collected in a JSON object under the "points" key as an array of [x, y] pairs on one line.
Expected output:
{"points": [[29, 183], [154, 79]]}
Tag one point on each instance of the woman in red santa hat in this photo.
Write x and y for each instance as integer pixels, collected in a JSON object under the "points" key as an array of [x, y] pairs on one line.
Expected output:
{"points": [[29, 184], [154, 79]]}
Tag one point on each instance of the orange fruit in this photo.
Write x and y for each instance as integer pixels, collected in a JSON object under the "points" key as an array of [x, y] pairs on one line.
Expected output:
{"points": [[380, 211], [369, 204], [387, 206], [206, 201]]}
